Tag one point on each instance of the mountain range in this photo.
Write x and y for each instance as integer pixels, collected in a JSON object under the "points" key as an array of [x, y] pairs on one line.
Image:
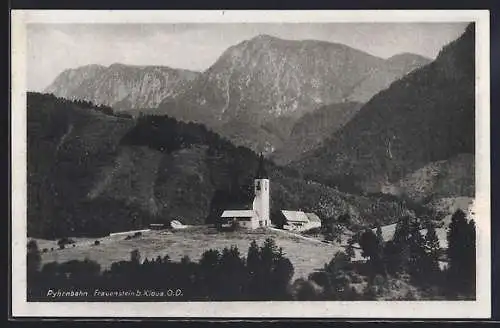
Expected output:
{"points": [[248, 89]]}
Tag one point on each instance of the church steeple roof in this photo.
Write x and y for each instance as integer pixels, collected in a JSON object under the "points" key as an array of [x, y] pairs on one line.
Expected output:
{"points": [[261, 171]]}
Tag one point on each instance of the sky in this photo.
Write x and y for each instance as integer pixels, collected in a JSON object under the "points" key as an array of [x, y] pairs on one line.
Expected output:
{"points": [[53, 48]]}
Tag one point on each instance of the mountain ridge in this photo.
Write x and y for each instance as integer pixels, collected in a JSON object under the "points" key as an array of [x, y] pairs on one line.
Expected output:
{"points": [[253, 82]]}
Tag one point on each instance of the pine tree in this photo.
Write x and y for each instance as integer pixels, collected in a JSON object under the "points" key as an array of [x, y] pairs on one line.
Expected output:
{"points": [[461, 246], [432, 250], [402, 231], [470, 259], [369, 244], [33, 256], [380, 242], [349, 251], [417, 253], [380, 238], [397, 251], [253, 258], [135, 256], [253, 270], [372, 249], [33, 259]]}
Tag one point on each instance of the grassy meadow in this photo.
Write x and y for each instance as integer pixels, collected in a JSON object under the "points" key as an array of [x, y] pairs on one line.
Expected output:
{"points": [[305, 255]]}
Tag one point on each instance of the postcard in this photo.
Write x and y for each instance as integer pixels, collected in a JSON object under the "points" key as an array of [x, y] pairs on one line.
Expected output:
{"points": [[270, 164]]}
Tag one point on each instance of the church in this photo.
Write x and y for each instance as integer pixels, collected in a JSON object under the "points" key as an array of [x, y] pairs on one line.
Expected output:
{"points": [[259, 215]]}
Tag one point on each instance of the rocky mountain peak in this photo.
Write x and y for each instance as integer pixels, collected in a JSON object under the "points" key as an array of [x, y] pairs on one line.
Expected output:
{"points": [[121, 86]]}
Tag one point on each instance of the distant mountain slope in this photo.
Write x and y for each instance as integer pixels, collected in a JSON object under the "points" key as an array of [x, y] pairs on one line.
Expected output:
{"points": [[91, 174], [381, 78], [121, 86], [406, 62], [426, 116], [313, 128]]}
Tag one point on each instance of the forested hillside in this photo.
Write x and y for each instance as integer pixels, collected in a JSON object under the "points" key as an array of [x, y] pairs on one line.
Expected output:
{"points": [[91, 172], [426, 116]]}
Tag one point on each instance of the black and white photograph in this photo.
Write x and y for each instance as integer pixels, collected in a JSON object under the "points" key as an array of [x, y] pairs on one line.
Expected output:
{"points": [[271, 164]]}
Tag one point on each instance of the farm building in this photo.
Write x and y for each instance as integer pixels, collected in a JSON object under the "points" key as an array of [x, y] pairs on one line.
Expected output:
{"points": [[300, 221], [176, 224], [156, 226], [314, 219], [246, 218]]}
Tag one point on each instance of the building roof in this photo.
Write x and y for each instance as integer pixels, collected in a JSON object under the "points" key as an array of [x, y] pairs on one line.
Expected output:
{"points": [[238, 214], [313, 217], [297, 216], [387, 231], [176, 223]]}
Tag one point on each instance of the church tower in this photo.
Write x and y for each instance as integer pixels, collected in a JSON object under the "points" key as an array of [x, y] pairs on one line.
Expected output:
{"points": [[261, 191]]}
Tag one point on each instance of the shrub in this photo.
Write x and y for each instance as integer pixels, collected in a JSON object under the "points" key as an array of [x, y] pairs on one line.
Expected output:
{"points": [[356, 279], [410, 296], [64, 241], [303, 290]]}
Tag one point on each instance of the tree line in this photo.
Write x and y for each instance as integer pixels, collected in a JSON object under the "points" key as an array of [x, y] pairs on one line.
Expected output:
{"points": [[264, 274], [102, 108]]}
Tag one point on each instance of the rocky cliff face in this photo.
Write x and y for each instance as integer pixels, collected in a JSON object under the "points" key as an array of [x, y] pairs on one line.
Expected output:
{"points": [[121, 86]]}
